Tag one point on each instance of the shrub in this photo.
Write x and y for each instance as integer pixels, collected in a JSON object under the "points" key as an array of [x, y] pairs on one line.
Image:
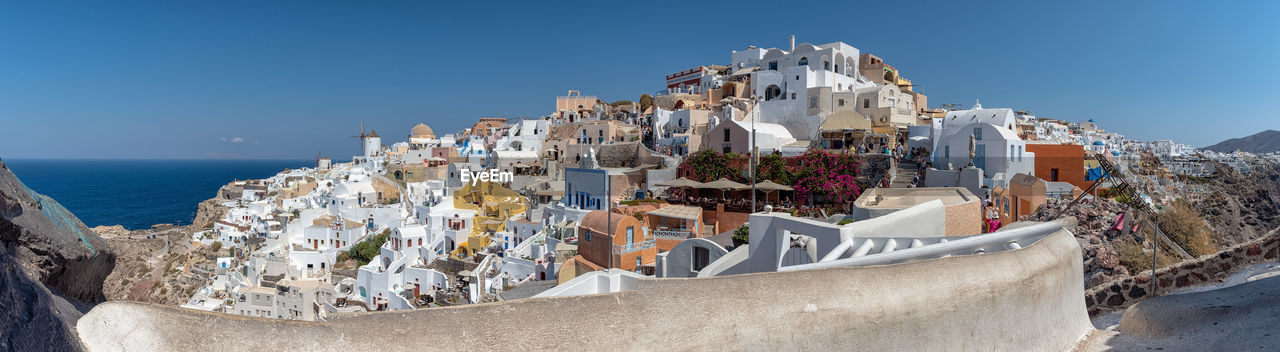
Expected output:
{"points": [[845, 222], [365, 250], [641, 201], [1135, 257], [217, 245], [1183, 224], [742, 234], [828, 177]]}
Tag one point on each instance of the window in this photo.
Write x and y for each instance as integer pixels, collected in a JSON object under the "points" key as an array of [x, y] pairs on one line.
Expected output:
{"points": [[586, 236], [793, 95], [773, 65], [797, 78], [1053, 175], [841, 101], [631, 234], [804, 61], [1012, 150], [866, 103], [726, 135], [826, 65], [813, 102], [727, 149], [977, 133], [701, 258], [638, 264]]}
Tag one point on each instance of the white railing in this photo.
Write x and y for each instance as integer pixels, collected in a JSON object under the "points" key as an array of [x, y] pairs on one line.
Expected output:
{"points": [[673, 234], [632, 247], [523, 246]]}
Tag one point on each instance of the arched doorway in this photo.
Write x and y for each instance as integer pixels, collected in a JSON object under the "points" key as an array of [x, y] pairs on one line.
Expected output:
{"points": [[772, 92]]}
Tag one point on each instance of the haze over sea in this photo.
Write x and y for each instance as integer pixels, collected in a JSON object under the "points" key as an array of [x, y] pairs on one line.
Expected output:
{"points": [[138, 193]]}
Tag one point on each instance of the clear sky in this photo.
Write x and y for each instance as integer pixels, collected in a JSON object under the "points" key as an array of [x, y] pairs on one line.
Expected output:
{"points": [[267, 79]]}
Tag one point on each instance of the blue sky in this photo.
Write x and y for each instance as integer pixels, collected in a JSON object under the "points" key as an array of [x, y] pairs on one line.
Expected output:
{"points": [[258, 79]]}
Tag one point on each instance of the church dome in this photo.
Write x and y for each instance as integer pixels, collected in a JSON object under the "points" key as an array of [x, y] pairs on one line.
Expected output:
{"points": [[422, 131]]}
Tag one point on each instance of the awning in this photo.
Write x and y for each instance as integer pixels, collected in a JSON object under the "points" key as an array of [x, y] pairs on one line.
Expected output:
{"points": [[678, 212]]}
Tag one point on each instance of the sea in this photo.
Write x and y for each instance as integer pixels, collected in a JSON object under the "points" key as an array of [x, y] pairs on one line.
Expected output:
{"points": [[139, 193]]}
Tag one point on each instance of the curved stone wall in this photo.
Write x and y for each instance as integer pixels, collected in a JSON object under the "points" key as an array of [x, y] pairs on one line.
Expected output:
{"points": [[1028, 299]]}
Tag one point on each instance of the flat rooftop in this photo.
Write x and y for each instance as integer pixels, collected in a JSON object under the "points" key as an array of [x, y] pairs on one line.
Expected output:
{"points": [[897, 198]]}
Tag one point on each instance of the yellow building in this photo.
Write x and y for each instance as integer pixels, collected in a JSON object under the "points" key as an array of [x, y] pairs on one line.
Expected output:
{"points": [[494, 204]]}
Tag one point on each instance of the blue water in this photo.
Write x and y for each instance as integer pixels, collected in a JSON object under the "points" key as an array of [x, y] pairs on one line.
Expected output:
{"points": [[138, 193]]}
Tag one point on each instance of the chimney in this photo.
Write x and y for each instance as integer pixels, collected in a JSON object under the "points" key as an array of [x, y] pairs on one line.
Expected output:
{"points": [[793, 43]]}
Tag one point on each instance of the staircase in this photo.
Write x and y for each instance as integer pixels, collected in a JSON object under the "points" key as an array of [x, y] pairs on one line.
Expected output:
{"points": [[904, 172]]}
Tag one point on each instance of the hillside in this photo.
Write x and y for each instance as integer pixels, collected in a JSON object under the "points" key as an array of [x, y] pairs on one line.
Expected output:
{"points": [[1263, 142], [51, 269]]}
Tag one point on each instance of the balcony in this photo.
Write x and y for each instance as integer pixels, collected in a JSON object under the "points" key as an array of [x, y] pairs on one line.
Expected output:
{"points": [[672, 234], [632, 247]]}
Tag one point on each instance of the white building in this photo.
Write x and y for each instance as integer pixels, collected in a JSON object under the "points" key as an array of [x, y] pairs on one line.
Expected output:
{"points": [[801, 86], [998, 150]]}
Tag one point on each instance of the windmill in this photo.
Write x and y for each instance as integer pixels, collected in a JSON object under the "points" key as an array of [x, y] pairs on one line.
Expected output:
{"points": [[362, 136]]}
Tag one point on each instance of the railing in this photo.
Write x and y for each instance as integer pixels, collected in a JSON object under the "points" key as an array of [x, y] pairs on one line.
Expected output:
{"points": [[672, 234], [1058, 194], [632, 247]]}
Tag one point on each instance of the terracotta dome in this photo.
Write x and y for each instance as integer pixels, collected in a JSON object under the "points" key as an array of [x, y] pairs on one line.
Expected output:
{"points": [[422, 131]]}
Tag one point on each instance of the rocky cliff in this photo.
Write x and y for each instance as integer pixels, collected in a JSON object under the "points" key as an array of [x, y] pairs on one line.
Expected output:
{"points": [[51, 269]]}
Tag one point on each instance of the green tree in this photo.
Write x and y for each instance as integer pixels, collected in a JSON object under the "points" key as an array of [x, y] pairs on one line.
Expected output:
{"points": [[773, 168], [645, 102], [709, 166], [215, 246]]}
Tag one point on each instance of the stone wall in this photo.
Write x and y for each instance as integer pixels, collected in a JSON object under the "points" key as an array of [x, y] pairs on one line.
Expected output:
{"points": [[968, 302], [1211, 269]]}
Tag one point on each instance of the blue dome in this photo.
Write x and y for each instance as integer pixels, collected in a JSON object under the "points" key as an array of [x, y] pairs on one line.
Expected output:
{"points": [[1098, 143], [1115, 152], [1090, 120]]}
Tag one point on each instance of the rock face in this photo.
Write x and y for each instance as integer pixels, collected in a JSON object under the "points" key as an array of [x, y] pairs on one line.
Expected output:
{"points": [[51, 269], [1241, 207]]}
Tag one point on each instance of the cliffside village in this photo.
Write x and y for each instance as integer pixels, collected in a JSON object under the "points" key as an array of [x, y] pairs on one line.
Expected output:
{"points": [[595, 195]]}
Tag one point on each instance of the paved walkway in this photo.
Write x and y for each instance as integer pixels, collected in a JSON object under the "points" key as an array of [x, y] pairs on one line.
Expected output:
{"points": [[1240, 315]]}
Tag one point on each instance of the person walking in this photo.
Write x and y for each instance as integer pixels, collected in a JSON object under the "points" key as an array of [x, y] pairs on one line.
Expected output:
{"points": [[993, 218]]}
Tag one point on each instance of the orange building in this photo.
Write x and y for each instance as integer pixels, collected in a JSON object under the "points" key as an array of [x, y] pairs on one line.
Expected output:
{"points": [[484, 127], [616, 241], [1024, 196], [1060, 163], [673, 224]]}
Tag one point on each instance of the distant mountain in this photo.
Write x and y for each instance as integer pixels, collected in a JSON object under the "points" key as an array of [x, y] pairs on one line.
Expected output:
{"points": [[1263, 142]]}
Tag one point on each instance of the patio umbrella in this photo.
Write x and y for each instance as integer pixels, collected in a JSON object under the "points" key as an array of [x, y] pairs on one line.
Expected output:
{"points": [[767, 186], [679, 182], [722, 184]]}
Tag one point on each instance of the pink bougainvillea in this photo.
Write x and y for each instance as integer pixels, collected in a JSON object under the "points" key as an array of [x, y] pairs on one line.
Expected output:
{"points": [[827, 177]]}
